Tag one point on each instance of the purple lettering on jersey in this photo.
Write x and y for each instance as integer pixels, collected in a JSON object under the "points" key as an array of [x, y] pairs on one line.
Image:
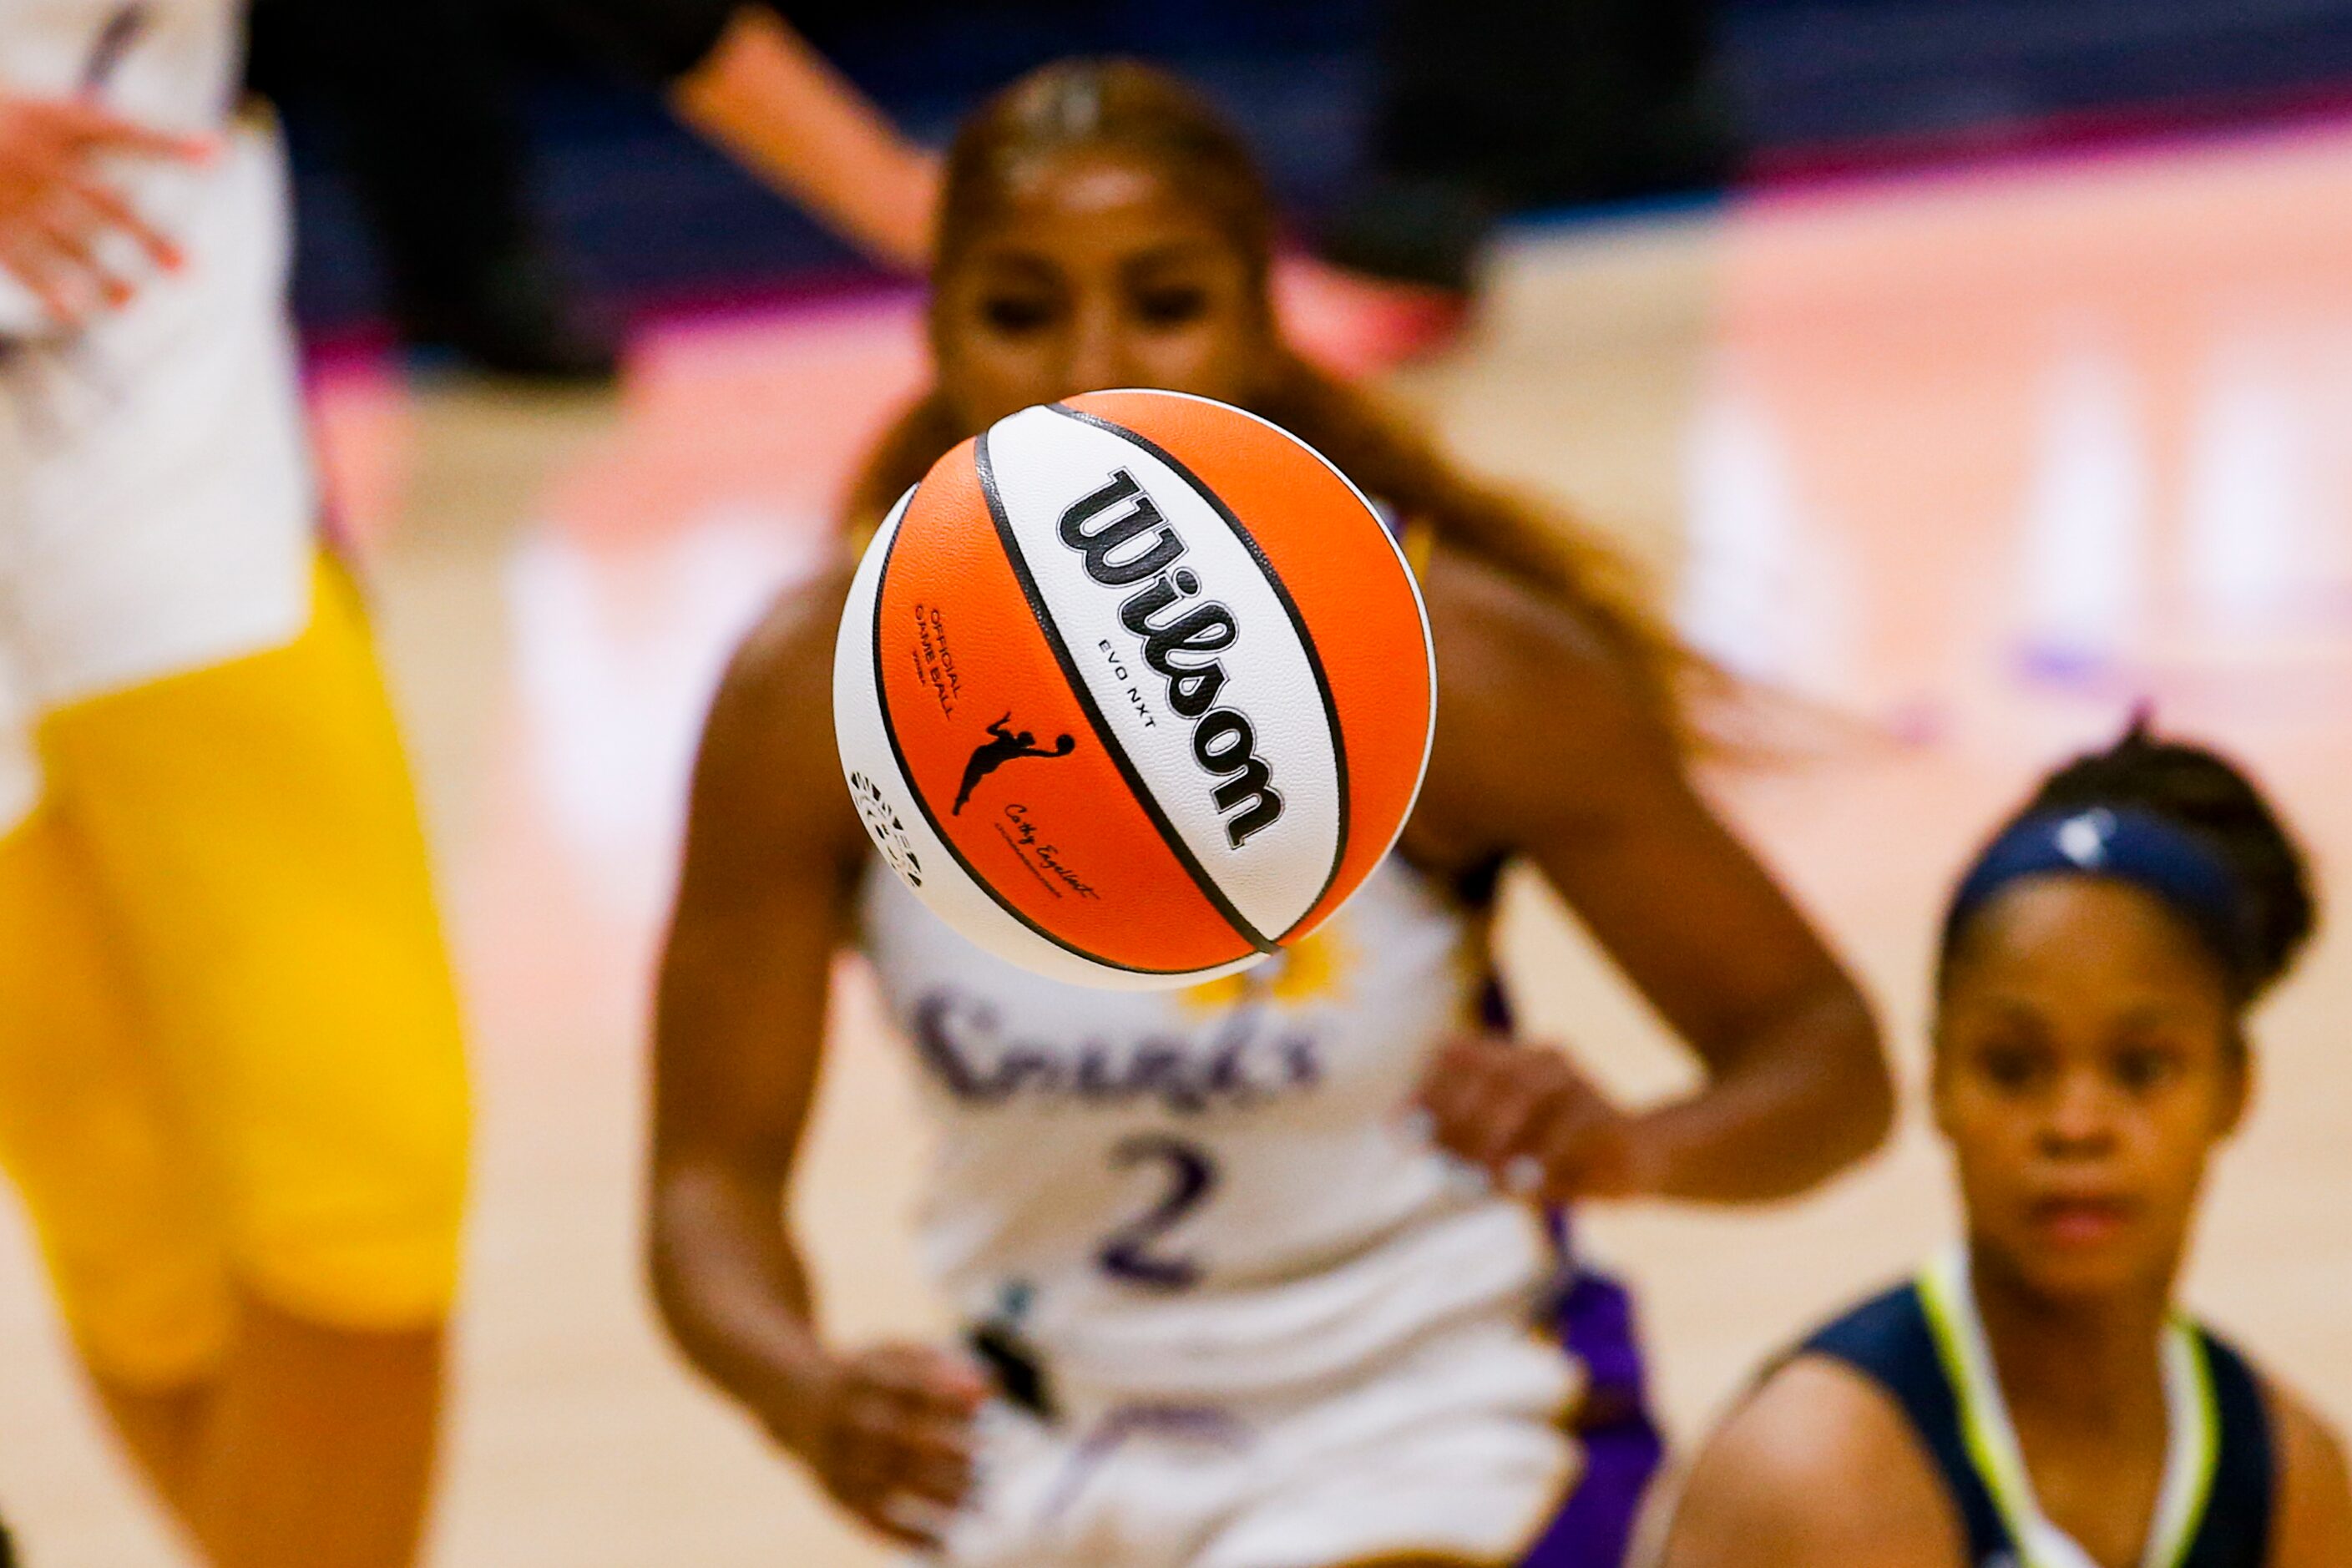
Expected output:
{"points": [[1247, 1058]]}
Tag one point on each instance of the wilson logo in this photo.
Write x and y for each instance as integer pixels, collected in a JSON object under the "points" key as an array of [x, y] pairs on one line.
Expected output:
{"points": [[1125, 541]]}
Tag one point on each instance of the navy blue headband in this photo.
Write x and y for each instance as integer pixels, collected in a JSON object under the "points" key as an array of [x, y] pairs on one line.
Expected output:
{"points": [[2130, 845]]}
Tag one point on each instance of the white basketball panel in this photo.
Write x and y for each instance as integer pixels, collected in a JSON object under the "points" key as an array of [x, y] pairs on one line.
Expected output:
{"points": [[1044, 464]]}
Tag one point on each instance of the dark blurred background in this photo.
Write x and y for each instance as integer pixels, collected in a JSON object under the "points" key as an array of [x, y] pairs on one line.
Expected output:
{"points": [[1560, 104]]}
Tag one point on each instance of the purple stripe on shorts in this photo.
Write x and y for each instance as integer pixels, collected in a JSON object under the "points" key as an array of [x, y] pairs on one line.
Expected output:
{"points": [[1623, 1448]]}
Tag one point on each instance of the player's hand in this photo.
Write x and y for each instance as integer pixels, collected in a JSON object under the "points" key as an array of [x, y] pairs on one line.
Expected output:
{"points": [[56, 208], [1527, 1117], [888, 1433]]}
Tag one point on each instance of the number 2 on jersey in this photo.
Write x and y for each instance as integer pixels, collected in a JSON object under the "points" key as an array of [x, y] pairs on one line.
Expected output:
{"points": [[1128, 1254]]}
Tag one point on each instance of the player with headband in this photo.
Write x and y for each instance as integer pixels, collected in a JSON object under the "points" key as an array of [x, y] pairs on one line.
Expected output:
{"points": [[2035, 1399]]}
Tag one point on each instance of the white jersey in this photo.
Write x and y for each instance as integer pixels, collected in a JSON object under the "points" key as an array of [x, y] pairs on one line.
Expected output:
{"points": [[175, 65], [157, 502], [1211, 1194]]}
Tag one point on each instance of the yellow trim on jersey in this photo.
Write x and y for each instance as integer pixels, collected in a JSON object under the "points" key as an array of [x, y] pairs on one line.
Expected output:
{"points": [[1315, 971], [1946, 1297], [1420, 545]]}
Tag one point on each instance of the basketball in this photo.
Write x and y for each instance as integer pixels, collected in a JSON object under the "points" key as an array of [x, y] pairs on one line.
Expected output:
{"points": [[1134, 690]]}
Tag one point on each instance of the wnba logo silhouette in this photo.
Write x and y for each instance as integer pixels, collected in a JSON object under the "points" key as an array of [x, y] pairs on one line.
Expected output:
{"points": [[1010, 745], [1126, 542]]}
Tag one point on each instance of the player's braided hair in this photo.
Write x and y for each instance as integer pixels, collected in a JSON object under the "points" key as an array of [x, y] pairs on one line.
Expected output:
{"points": [[2204, 794], [1147, 115]]}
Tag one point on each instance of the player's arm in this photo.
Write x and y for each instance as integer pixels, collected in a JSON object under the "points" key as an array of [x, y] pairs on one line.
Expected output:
{"points": [[2313, 1528], [792, 119], [739, 1030], [773, 852], [1546, 749], [1817, 1470], [747, 82]]}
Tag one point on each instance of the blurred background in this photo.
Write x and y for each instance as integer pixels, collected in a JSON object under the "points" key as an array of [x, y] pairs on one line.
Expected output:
{"points": [[1357, 107], [1971, 369]]}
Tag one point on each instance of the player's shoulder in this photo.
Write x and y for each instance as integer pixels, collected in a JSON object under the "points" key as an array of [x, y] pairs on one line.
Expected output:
{"points": [[1532, 682], [767, 741], [1513, 628], [1817, 1464], [1813, 1421], [790, 644], [2303, 1432], [2313, 1486]]}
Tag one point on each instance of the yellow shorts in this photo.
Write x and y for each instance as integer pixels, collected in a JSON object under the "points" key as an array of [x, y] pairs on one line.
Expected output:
{"points": [[229, 1051]]}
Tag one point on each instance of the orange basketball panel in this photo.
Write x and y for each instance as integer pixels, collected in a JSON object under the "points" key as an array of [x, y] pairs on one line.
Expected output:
{"points": [[980, 709], [1350, 588]]}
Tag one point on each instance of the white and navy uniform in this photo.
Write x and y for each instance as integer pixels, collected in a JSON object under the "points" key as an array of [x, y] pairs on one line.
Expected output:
{"points": [[1924, 1344], [1249, 1319], [157, 499]]}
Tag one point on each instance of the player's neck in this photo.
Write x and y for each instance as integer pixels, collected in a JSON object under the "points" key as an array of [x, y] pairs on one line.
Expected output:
{"points": [[2077, 1363]]}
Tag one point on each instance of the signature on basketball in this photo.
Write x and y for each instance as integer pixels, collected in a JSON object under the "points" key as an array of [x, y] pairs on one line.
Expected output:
{"points": [[1044, 860], [1246, 1057]]}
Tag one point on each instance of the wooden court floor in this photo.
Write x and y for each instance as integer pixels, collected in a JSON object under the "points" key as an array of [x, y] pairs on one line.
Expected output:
{"points": [[1966, 463]]}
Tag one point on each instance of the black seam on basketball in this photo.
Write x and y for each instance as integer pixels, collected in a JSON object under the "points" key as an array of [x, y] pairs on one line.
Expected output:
{"points": [[1043, 614], [1289, 607], [899, 755]]}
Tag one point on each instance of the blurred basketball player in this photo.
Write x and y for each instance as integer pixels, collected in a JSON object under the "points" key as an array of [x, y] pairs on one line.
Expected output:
{"points": [[1238, 1311], [436, 150], [2036, 1399], [231, 1091]]}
